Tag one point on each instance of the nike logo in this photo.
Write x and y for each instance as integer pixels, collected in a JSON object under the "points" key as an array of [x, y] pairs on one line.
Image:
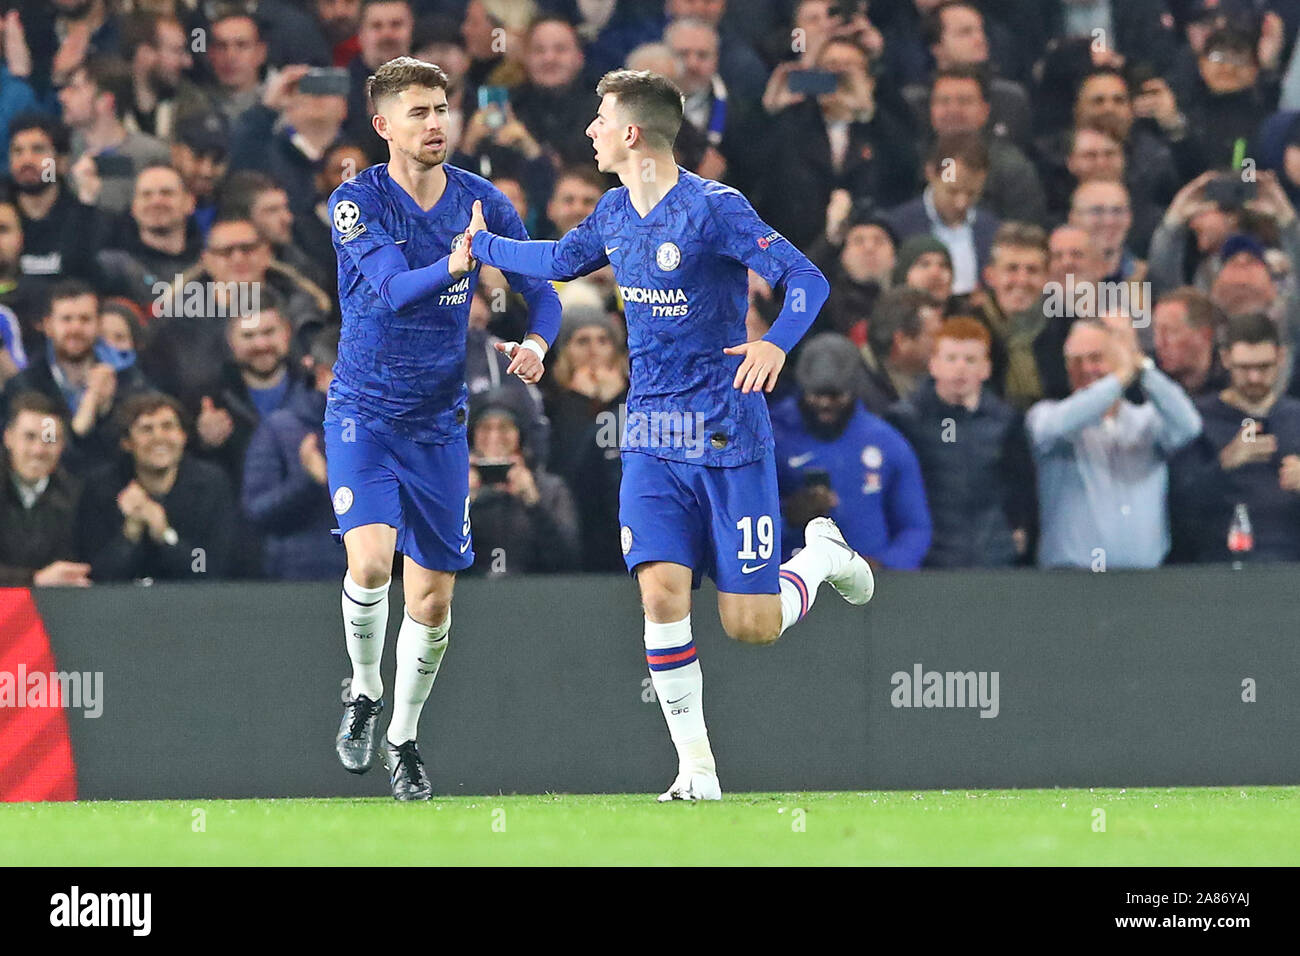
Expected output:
{"points": [[398, 242], [357, 623], [798, 461], [423, 661], [679, 699], [746, 569], [464, 547], [608, 250], [841, 544]]}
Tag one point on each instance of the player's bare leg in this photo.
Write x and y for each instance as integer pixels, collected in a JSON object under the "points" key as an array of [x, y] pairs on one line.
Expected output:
{"points": [[826, 556], [365, 621], [678, 681], [421, 643]]}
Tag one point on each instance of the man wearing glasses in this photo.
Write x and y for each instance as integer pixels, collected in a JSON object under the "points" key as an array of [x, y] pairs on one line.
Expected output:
{"points": [[1249, 452]]}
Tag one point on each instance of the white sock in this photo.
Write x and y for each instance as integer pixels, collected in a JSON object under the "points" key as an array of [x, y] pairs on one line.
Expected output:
{"points": [[419, 652], [365, 619], [809, 568], [676, 676]]}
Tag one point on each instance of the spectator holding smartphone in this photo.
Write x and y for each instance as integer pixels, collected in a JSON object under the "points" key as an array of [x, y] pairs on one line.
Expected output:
{"points": [[522, 517], [95, 100], [836, 139]]}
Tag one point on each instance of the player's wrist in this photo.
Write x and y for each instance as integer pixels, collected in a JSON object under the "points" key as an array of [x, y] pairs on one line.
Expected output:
{"points": [[535, 347]]}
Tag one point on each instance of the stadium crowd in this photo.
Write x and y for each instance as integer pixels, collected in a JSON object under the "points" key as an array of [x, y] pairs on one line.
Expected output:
{"points": [[1061, 237]]}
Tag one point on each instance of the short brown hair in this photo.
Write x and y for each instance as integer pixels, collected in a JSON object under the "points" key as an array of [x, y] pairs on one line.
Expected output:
{"points": [[963, 328], [1021, 235], [584, 174], [652, 101], [1201, 312], [32, 401], [146, 403], [970, 74], [966, 148], [65, 289], [399, 74]]}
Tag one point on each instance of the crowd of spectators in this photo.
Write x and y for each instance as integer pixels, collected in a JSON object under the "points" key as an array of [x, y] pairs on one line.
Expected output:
{"points": [[1061, 237]]}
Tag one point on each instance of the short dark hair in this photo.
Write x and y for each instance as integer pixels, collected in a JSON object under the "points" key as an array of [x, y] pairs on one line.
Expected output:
{"points": [[898, 310], [1097, 71], [1252, 329], [587, 174], [546, 18], [652, 101], [1201, 312], [55, 131], [1229, 38], [268, 300], [112, 75], [141, 29], [241, 191], [225, 217], [846, 41], [371, 3], [146, 403], [967, 148], [238, 11], [932, 25], [32, 401], [973, 74], [401, 73], [69, 289]]}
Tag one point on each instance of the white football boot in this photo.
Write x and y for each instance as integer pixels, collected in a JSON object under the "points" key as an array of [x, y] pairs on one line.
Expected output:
{"points": [[693, 786], [854, 581]]}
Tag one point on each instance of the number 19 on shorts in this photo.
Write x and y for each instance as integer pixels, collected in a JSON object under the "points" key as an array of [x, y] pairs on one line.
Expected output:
{"points": [[747, 527]]}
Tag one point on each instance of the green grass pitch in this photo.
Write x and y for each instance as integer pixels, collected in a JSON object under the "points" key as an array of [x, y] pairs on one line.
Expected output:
{"points": [[1176, 826]]}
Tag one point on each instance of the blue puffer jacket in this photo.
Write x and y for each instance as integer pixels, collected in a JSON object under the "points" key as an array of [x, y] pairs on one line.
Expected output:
{"points": [[291, 510]]}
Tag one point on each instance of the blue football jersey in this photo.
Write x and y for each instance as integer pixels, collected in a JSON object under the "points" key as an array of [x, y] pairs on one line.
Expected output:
{"points": [[402, 372], [682, 274]]}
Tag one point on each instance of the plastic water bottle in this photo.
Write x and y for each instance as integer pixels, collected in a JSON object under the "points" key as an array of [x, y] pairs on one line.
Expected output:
{"points": [[1241, 541]]}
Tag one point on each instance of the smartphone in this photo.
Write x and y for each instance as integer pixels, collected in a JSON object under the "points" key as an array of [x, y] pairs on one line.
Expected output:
{"points": [[325, 81], [816, 478], [813, 82], [494, 472], [493, 100], [1229, 191], [115, 166]]}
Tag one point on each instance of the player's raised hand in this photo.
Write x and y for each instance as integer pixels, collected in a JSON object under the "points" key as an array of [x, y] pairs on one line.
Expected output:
{"points": [[763, 363], [524, 361], [476, 221]]}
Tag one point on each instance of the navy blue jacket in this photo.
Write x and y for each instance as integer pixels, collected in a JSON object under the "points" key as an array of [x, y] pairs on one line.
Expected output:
{"points": [[978, 474], [1203, 495], [284, 502]]}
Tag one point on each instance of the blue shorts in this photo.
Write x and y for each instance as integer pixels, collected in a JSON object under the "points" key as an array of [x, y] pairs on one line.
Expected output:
{"points": [[723, 522], [420, 489]]}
